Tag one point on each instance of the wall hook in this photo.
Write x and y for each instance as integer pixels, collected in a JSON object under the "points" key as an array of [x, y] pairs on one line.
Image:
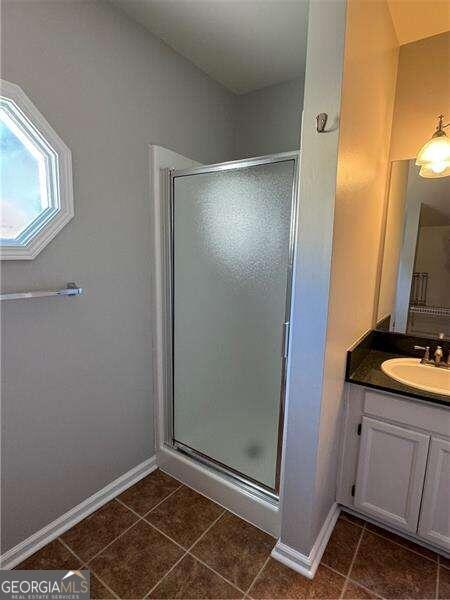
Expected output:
{"points": [[321, 122]]}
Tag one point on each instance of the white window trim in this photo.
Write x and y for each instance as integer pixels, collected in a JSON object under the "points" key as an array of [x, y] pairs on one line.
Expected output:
{"points": [[63, 197]]}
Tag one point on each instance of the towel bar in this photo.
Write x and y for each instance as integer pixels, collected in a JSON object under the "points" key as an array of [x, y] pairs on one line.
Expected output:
{"points": [[70, 290]]}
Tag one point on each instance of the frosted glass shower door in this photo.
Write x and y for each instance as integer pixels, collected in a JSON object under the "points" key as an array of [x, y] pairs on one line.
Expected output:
{"points": [[231, 238]]}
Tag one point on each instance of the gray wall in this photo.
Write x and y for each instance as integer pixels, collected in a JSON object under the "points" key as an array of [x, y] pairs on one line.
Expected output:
{"points": [[268, 120], [77, 396]]}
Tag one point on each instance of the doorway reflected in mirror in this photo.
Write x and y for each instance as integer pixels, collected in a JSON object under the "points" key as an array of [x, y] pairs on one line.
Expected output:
{"points": [[414, 292]]}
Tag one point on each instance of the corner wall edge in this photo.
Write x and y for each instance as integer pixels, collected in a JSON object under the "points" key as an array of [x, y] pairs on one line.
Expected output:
{"points": [[307, 564]]}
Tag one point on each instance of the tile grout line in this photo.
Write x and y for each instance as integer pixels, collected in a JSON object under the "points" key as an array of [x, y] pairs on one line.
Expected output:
{"points": [[442, 566], [257, 575], [206, 564], [334, 570], [117, 499], [129, 508], [140, 518], [344, 588], [206, 530], [85, 564], [112, 541], [160, 531], [385, 537], [178, 543], [246, 593], [216, 572], [364, 588], [158, 503], [186, 552], [82, 562], [353, 581], [67, 547], [104, 584], [165, 575], [144, 518], [325, 566]]}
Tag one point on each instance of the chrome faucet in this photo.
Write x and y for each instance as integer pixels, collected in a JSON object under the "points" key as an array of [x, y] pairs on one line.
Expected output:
{"points": [[425, 360], [438, 354]]}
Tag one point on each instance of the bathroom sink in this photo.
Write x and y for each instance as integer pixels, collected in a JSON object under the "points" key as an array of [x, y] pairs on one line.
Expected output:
{"points": [[423, 377]]}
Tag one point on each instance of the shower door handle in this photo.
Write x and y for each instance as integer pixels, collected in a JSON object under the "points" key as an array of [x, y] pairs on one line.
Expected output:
{"points": [[286, 328]]}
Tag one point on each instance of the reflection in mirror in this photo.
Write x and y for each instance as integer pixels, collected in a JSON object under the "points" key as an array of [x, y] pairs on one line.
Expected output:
{"points": [[414, 292]]}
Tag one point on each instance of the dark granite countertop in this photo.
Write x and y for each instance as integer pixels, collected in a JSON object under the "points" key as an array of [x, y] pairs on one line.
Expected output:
{"points": [[369, 374]]}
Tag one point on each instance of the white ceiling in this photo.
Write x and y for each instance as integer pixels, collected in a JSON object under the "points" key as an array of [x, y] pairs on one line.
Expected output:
{"points": [[244, 44]]}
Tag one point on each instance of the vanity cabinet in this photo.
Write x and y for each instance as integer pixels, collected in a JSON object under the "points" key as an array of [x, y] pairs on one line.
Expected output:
{"points": [[391, 473], [434, 524], [395, 463]]}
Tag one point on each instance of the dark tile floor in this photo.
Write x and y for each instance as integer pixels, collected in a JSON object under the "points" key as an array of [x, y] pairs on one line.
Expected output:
{"points": [[160, 539]]}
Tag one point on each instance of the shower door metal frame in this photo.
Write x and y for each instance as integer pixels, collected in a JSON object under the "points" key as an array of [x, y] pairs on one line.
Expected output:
{"points": [[243, 481]]}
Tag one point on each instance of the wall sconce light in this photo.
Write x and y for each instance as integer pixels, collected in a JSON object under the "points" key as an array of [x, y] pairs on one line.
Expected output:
{"points": [[434, 156]]}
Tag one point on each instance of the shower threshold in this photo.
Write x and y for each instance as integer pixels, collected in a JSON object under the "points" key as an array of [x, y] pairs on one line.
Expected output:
{"points": [[245, 483]]}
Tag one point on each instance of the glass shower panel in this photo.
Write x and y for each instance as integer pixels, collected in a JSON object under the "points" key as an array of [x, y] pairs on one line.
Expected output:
{"points": [[231, 232]]}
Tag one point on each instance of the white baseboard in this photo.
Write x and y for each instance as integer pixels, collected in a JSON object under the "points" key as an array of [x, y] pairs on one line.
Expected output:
{"points": [[307, 564], [35, 542]]}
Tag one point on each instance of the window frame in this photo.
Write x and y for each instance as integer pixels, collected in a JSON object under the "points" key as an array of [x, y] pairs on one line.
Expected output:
{"points": [[58, 159]]}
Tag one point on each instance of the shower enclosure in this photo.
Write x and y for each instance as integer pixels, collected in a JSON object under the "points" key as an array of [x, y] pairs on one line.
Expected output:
{"points": [[229, 248]]}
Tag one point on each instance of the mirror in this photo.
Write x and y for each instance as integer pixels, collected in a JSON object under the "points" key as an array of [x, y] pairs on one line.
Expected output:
{"points": [[414, 292]]}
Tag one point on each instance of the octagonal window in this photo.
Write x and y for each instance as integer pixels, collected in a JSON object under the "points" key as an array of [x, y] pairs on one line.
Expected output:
{"points": [[35, 177], [24, 180]]}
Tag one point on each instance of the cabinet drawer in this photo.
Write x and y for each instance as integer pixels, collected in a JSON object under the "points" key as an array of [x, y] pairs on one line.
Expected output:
{"points": [[431, 417]]}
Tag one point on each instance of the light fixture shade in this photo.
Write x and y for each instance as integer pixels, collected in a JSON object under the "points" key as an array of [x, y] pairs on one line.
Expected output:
{"points": [[434, 156], [428, 173], [436, 151]]}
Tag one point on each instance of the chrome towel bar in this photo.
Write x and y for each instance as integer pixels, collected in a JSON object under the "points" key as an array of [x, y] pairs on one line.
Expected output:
{"points": [[70, 290]]}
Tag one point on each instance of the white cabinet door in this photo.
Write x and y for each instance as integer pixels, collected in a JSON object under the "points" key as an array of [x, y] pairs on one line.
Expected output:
{"points": [[434, 524], [391, 472]]}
